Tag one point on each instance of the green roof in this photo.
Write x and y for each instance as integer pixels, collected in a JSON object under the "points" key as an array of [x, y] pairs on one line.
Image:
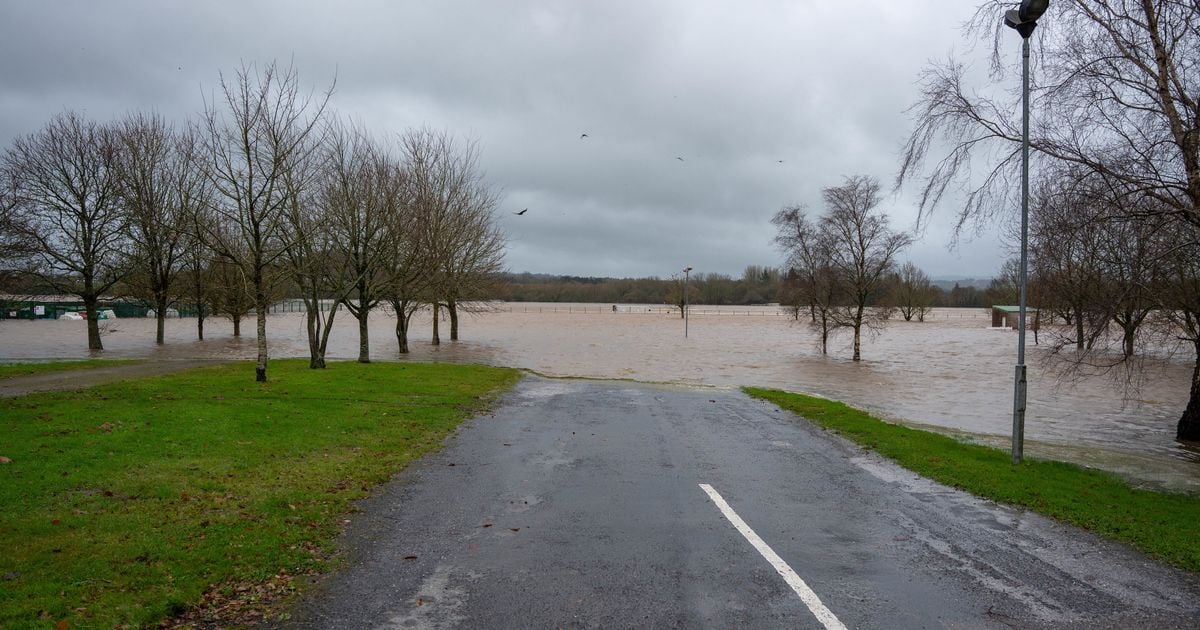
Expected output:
{"points": [[1012, 309]]}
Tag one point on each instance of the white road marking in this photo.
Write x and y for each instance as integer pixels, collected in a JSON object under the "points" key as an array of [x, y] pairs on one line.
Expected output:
{"points": [[806, 594]]}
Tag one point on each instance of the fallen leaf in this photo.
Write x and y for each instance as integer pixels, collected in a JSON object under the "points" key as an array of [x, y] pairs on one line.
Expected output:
{"points": [[5, 460], [450, 464], [410, 557], [63, 624], [487, 524], [55, 522], [514, 529], [420, 602]]}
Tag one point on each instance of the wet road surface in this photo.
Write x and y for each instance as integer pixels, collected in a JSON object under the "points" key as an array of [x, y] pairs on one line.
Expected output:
{"points": [[580, 504]]}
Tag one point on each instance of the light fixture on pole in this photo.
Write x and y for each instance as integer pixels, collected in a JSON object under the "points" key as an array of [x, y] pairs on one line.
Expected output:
{"points": [[1023, 20], [686, 271]]}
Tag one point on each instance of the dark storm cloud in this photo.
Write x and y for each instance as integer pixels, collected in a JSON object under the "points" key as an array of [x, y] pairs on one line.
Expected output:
{"points": [[732, 88]]}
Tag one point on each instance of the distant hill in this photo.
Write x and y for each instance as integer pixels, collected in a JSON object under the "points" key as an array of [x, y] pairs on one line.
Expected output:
{"points": [[946, 283]]}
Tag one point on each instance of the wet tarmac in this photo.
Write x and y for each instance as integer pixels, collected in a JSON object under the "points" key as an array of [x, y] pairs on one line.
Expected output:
{"points": [[578, 504]]}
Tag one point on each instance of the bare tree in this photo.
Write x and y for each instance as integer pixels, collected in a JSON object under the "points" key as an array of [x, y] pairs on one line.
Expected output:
{"points": [[1116, 96], [361, 197], [676, 296], [458, 230], [1181, 318], [863, 250], [17, 247], [311, 262], [256, 132], [914, 292], [154, 172], [230, 292], [65, 194], [809, 251], [192, 196], [1065, 259]]}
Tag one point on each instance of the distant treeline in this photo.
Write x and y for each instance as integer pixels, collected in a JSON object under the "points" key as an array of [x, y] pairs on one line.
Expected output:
{"points": [[757, 285]]}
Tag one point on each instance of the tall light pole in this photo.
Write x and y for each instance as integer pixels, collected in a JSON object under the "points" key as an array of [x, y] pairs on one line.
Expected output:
{"points": [[686, 271], [1023, 20]]}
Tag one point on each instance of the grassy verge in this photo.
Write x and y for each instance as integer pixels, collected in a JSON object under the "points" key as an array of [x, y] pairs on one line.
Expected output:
{"points": [[1160, 524], [123, 504], [10, 370]]}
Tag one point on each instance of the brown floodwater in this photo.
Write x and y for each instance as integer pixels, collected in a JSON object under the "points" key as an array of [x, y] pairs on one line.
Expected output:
{"points": [[950, 372]]}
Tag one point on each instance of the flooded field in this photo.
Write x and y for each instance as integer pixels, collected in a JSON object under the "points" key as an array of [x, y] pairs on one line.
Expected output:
{"points": [[949, 372]]}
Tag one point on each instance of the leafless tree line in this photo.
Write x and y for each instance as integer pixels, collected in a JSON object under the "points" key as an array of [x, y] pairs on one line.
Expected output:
{"points": [[268, 194], [1116, 277], [840, 260], [1115, 135]]}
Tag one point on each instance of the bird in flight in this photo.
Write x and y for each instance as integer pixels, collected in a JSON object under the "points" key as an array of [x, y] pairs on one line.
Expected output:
{"points": [[678, 158], [780, 161], [521, 212], [582, 136]]}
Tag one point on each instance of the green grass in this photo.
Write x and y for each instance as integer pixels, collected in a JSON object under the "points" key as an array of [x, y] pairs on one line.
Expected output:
{"points": [[124, 502], [10, 370], [1163, 525]]}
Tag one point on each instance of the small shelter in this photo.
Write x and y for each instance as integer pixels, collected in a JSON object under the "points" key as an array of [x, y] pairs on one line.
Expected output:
{"points": [[1010, 316]]}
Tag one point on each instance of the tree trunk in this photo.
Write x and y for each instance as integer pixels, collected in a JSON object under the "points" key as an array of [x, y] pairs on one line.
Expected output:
{"points": [[1189, 423], [437, 341], [260, 302], [316, 357], [237, 325], [93, 325], [160, 312], [1079, 330], [858, 317], [402, 329], [452, 307], [364, 344], [199, 320]]}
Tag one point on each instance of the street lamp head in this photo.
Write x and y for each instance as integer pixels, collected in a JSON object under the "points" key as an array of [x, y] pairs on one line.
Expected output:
{"points": [[687, 269], [1031, 10], [1024, 19]]}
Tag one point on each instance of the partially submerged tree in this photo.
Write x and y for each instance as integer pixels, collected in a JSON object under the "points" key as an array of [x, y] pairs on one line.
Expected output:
{"points": [[361, 197], [863, 249], [682, 293], [65, 195], [157, 178], [313, 267], [260, 127], [809, 252], [458, 228], [914, 293]]}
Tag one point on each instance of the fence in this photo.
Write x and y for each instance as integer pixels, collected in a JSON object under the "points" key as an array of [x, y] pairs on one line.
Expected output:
{"points": [[770, 311]]}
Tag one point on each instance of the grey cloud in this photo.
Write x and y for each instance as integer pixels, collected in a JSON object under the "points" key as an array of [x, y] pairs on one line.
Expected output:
{"points": [[732, 87]]}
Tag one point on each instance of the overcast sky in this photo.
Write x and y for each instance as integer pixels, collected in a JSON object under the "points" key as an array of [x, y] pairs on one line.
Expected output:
{"points": [[730, 87]]}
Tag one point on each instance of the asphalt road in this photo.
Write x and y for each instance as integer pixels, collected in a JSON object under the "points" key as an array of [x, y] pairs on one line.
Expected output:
{"points": [[579, 504]]}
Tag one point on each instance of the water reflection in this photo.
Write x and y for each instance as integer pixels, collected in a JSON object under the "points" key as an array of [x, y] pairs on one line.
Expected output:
{"points": [[949, 372]]}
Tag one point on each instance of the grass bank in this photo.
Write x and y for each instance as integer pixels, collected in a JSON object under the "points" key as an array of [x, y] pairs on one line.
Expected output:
{"points": [[1163, 525], [124, 503], [10, 370]]}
